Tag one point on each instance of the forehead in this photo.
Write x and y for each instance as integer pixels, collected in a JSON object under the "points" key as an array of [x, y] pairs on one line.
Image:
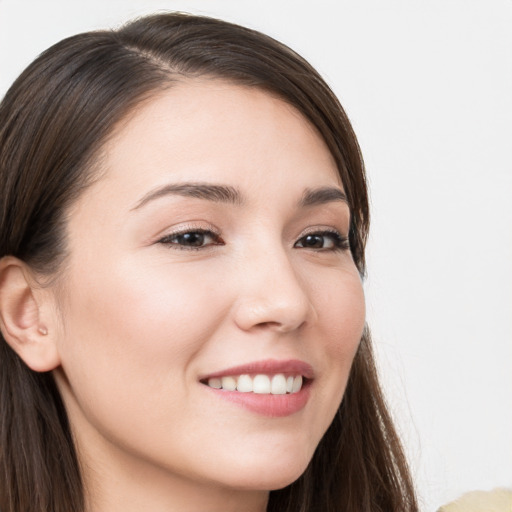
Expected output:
{"points": [[212, 130]]}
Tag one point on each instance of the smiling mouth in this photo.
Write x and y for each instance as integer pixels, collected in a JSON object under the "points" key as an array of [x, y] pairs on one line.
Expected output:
{"points": [[262, 384], [271, 388]]}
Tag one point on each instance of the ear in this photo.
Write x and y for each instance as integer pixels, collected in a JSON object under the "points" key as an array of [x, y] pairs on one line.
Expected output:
{"points": [[24, 322]]}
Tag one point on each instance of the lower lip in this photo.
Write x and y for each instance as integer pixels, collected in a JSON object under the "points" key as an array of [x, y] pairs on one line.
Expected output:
{"points": [[273, 406]]}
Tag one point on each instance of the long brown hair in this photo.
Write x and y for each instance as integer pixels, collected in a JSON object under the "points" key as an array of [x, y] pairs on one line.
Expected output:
{"points": [[54, 121]]}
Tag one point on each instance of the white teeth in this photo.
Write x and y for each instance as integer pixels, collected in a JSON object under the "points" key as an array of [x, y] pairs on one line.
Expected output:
{"points": [[297, 384], [262, 384], [244, 384], [278, 385], [229, 383], [215, 383]]}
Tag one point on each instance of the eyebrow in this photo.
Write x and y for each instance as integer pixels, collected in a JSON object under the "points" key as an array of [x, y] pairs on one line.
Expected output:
{"points": [[318, 196], [215, 193], [230, 195]]}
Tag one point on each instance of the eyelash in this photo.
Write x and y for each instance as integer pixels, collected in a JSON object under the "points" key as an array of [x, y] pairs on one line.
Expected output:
{"points": [[339, 241], [169, 239]]}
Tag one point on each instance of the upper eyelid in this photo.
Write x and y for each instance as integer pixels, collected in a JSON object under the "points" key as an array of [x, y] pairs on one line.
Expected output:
{"points": [[322, 230], [205, 226], [189, 228], [192, 230], [217, 239], [167, 240], [185, 231], [209, 228]]}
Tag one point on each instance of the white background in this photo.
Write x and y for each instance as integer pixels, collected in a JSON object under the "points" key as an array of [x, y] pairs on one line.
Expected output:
{"points": [[428, 87]]}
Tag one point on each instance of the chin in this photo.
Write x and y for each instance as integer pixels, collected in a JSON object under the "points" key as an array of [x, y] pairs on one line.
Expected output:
{"points": [[267, 477], [266, 461]]}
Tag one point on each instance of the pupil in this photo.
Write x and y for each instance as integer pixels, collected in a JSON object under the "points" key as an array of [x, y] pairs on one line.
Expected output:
{"points": [[315, 241], [194, 239]]}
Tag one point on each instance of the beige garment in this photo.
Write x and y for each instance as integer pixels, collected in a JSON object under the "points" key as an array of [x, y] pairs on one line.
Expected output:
{"points": [[497, 500]]}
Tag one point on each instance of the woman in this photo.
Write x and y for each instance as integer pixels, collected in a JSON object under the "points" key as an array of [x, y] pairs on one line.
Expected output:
{"points": [[184, 216]]}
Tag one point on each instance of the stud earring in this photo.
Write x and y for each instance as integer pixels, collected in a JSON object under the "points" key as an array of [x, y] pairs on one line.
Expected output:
{"points": [[43, 331]]}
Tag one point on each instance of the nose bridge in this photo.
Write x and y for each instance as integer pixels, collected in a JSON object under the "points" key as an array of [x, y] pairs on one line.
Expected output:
{"points": [[272, 293]]}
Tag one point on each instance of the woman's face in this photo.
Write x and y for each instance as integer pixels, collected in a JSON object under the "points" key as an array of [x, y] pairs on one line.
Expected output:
{"points": [[213, 246]]}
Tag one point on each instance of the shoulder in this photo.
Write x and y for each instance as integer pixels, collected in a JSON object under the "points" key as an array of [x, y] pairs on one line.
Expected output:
{"points": [[497, 500]]}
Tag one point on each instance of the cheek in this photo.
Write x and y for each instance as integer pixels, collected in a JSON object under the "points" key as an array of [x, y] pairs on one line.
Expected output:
{"points": [[341, 319], [132, 334], [133, 326], [341, 310]]}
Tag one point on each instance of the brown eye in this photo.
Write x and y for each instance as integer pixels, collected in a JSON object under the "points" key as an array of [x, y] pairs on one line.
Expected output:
{"points": [[325, 240], [313, 242], [196, 239]]}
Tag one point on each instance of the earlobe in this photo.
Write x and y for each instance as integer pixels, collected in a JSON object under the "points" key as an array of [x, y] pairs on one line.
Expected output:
{"points": [[22, 321]]}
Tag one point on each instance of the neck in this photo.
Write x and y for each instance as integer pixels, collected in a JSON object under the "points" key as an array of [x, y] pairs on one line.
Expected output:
{"points": [[135, 494], [121, 483]]}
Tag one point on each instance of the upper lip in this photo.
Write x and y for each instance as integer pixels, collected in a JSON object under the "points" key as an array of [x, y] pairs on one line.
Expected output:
{"points": [[269, 367]]}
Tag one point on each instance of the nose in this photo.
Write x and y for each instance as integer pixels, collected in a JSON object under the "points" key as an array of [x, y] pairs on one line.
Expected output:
{"points": [[272, 295]]}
